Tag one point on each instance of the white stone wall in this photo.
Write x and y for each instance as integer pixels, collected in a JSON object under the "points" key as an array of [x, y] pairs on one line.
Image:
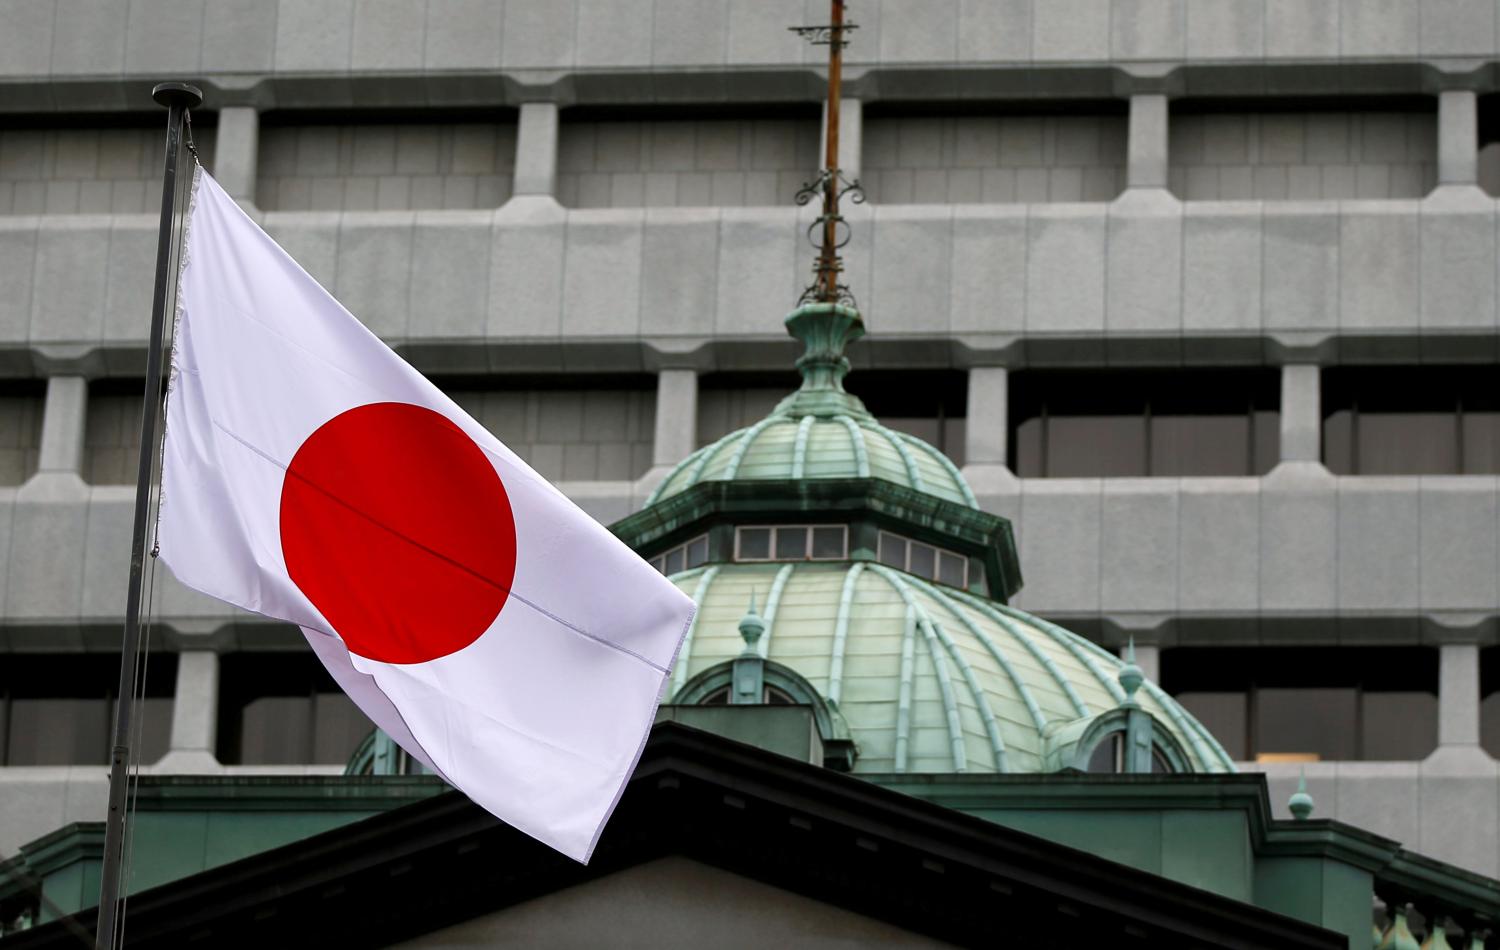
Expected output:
{"points": [[386, 167], [20, 436], [1288, 156], [570, 434], [85, 170], [684, 162], [972, 159]]}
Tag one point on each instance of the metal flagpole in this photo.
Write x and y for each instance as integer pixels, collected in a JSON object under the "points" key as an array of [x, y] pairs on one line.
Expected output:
{"points": [[178, 98]]}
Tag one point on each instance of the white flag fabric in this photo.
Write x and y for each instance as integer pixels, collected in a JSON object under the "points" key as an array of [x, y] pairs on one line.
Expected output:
{"points": [[495, 631]]}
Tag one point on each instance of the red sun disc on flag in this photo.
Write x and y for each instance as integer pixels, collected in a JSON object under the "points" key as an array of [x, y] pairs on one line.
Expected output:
{"points": [[396, 526]]}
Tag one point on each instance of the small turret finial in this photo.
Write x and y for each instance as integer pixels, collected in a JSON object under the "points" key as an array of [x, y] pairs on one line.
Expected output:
{"points": [[752, 627], [1130, 676], [1301, 803]]}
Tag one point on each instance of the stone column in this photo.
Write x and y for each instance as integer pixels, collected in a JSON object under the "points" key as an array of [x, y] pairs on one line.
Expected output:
{"points": [[195, 713], [1301, 413], [237, 151], [536, 150], [1148, 658], [1146, 152], [1458, 138], [987, 425], [1458, 694], [851, 136], [64, 416], [676, 417]]}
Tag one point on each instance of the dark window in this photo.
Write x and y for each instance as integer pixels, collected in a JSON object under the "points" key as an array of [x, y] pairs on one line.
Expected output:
{"points": [[928, 404], [20, 429], [566, 427], [1108, 755], [1489, 700], [796, 542], [1411, 420], [923, 560], [1310, 703], [284, 708], [1135, 423], [58, 709], [770, 696]]}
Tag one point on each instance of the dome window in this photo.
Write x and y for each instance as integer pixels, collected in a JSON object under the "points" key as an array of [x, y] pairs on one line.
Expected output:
{"points": [[1108, 757], [924, 560], [798, 542], [770, 696], [683, 557]]}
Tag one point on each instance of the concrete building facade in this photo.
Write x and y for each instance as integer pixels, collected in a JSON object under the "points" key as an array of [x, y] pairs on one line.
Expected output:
{"points": [[1105, 241]]}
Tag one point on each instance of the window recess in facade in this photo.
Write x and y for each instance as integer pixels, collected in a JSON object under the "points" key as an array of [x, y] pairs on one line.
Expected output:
{"points": [[1102, 423], [1411, 420]]}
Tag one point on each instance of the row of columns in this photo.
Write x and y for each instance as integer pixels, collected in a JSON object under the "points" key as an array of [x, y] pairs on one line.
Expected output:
{"points": [[989, 392], [1147, 149], [237, 148], [62, 447]]}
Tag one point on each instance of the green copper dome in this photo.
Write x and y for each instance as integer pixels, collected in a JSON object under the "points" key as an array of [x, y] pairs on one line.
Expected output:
{"points": [[821, 431], [877, 595], [928, 678]]}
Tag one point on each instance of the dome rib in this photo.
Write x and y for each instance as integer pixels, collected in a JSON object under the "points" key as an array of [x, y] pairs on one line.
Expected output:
{"points": [[939, 665], [698, 460], [799, 448], [945, 686], [857, 443], [773, 603], [1199, 737], [981, 699], [1034, 710], [747, 438], [1071, 643], [958, 479], [685, 652], [1193, 730], [912, 472], [841, 633], [1209, 750], [1079, 706], [852, 613], [904, 689]]}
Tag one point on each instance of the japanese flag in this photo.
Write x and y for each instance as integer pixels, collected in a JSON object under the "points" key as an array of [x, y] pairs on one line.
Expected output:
{"points": [[494, 630]]}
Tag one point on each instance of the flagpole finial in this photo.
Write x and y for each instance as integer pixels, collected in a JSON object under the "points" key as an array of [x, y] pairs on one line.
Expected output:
{"points": [[180, 94]]}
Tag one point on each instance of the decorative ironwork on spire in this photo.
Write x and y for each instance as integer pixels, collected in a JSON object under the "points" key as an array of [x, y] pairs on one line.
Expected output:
{"points": [[829, 233]]}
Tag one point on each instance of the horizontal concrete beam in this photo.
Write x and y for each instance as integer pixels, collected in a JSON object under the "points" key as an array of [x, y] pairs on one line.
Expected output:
{"points": [[333, 39], [1073, 282], [1298, 543]]}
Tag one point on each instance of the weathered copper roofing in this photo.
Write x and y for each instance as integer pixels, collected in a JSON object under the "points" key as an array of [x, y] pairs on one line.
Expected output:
{"points": [[821, 431], [929, 678]]}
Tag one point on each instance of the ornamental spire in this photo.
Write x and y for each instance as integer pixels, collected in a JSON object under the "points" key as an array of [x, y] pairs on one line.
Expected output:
{"points": [[829, 233], [826, 318]]}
